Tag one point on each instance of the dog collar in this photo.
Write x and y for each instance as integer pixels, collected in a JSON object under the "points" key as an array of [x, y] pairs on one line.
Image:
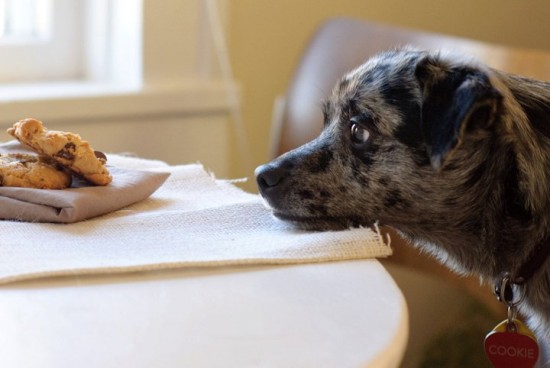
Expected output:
{"points": [[503, 287], [536, 259]]}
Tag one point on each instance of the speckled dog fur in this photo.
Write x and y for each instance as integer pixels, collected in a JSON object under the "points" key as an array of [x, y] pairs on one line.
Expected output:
{"points": [[452, 154]]}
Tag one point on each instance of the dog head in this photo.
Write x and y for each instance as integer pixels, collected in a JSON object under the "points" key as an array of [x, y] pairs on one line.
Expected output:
{"points": [[452, 154], [404, 142]]}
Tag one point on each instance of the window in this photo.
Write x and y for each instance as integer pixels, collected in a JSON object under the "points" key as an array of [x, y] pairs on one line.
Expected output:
{"points": [[109, 56], [24, 20], [69, 41], [36, 43]]}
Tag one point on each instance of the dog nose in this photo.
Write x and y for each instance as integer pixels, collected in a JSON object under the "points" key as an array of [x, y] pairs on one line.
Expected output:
{"points": [[269, 176]]}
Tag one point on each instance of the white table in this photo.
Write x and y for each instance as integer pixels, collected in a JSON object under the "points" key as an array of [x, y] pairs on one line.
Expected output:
{"points": [[343, 314]]}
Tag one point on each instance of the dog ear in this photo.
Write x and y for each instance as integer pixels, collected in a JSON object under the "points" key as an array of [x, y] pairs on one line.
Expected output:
{"points": [[455, 101]]}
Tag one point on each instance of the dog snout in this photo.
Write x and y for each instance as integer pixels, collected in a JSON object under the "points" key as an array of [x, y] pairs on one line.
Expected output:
{"points": [[270, 176]]}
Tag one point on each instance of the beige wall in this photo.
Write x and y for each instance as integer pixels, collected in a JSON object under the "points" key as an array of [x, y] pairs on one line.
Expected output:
{"points": [[267, 36]]}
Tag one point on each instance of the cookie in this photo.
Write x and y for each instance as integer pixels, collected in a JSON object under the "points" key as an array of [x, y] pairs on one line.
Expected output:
{"points": [[66, 148], [31, 171]]}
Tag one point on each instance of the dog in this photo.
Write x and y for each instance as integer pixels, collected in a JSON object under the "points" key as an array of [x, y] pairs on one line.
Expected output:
{"points": [[452, 154]]}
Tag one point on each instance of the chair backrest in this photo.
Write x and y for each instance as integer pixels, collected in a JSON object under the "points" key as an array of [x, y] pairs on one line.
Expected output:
{"points": [[342, 44]]}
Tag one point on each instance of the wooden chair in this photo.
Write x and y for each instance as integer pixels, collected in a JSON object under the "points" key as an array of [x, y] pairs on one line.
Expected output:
{"points": [[339, 46]]}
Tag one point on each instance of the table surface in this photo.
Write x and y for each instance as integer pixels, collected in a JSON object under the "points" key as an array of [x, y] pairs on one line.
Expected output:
{"points": [[341, 314]]}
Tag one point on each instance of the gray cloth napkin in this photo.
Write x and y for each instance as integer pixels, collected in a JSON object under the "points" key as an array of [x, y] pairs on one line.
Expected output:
{"points": [[79, 202]]}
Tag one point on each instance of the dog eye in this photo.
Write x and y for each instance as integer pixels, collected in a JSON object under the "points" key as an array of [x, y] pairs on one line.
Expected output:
{"points": [[359, 134]]}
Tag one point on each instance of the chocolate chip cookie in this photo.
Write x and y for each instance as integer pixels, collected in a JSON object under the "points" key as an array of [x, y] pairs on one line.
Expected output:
{"points": [[67, 149], [31, 171]]}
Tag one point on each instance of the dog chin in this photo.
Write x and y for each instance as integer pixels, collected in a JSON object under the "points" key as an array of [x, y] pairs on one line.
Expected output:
{"points": [[317, 223], [321, 223]]}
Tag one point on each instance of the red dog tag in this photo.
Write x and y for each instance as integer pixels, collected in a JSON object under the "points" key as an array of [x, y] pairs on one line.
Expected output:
{"points": [[511, 348]]}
